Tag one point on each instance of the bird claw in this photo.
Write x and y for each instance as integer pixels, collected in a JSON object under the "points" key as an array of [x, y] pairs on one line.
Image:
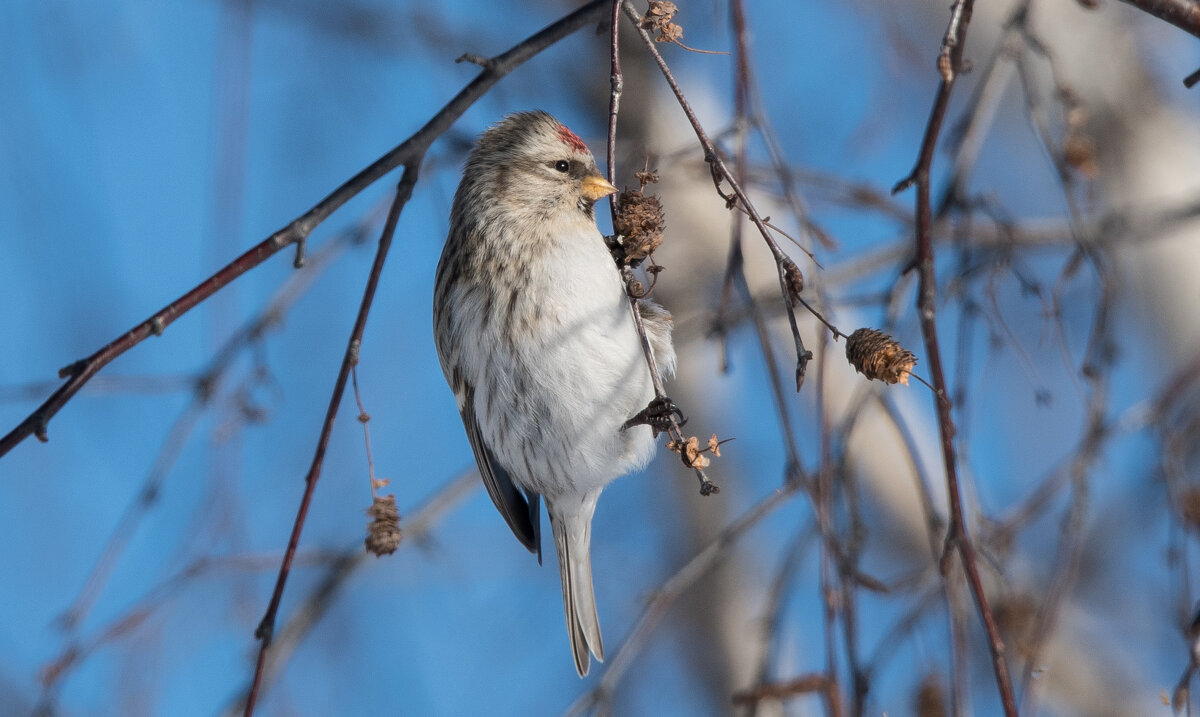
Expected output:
{"points": [[620, 252], [657, 415]]}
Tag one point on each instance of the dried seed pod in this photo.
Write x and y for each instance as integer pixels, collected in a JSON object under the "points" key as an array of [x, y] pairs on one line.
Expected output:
{"points": [[658, 19], [640, 221], [878, 356], [646, 177], [691, 452], [383, 532]]}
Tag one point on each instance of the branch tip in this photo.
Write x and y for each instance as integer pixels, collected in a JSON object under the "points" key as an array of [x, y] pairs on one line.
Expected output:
{"points": [[301, 247], [485, 62], [72, 370], [904, 184], [265, 629], [1191, 80]]}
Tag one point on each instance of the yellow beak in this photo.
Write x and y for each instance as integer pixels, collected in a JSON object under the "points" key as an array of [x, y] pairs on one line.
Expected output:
{"points": [[595, 187]]}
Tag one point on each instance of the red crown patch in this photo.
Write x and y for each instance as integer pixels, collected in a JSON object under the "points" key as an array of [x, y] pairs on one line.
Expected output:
{"points": [[571, 138]]}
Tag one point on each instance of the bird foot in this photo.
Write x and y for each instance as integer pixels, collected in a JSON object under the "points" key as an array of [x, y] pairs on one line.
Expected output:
{"points": [[617, 249], [657, 415]]}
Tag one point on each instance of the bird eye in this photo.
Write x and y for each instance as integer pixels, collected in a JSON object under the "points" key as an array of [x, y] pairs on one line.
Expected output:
{"points": [[562, 165]]}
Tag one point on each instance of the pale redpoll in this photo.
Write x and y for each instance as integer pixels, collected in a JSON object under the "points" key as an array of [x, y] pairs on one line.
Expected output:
{"points": [[537, 340]]}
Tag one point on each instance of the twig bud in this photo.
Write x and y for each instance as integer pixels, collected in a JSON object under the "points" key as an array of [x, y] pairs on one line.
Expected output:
{"points": [[794, 279]]}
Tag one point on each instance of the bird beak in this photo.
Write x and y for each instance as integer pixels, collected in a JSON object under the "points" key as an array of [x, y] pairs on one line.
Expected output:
{"points": [[595, 187]]}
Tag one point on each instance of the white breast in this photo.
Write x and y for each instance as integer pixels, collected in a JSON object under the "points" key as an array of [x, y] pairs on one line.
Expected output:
{"points": [[577, 379]]}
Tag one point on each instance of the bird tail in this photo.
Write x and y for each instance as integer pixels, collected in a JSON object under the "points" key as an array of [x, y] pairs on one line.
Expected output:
{"points": [[573, 539]]}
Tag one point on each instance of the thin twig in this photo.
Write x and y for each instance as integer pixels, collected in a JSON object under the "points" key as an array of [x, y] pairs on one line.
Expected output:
{"points": [[957, 537], [778, 594], [202, 395], [266, 627], [721, 173], [365, 419], [344, 566], [617, 82], [80, 649], [735, 267]]}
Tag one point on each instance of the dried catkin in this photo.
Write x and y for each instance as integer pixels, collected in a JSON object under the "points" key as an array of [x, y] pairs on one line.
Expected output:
{"points": [[878, 356]]}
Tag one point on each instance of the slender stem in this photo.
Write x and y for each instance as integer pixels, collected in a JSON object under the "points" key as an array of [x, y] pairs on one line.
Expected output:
{"points": [[720, 173], [957, 537], [266, 628], [617, 83], [343, 567], [250, 334]]}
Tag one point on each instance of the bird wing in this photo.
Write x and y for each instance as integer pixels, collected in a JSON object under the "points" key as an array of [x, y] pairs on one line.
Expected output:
{"points": [[520, 512], [658, 323]]}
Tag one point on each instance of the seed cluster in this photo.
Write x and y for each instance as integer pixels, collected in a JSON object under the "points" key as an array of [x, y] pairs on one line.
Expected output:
{"points": [[878, 356]]}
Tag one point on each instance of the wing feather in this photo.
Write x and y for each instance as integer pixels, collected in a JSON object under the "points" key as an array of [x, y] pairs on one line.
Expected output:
{"points": [[520, 512]]}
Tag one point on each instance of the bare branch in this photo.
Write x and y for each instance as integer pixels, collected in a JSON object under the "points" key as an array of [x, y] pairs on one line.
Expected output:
{"points": [[957, 538]]}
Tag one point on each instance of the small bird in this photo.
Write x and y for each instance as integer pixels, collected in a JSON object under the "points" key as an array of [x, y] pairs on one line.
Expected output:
{"points": [[537, 340]]}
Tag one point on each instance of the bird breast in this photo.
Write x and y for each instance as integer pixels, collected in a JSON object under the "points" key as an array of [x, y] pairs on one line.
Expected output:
{"points": [[568, 367]]}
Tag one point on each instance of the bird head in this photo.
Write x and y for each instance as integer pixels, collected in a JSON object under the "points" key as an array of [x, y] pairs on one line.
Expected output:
{"points": [[532, 164]]}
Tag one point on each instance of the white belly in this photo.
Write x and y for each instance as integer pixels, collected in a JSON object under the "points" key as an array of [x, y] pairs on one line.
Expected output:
{"points": [[560, 397]]}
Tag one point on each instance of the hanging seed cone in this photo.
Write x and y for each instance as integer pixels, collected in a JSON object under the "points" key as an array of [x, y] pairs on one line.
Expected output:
{"points": [[878, 356], [640, 221], [383, 532]]}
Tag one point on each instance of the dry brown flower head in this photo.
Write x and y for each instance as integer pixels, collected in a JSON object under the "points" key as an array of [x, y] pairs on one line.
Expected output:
{"points": [[878, 356], [658, 19], [639, 222], [693, 454], [383, 532]]}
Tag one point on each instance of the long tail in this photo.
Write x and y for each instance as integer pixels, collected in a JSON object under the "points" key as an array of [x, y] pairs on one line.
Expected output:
{"points": [[573, 540]]}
